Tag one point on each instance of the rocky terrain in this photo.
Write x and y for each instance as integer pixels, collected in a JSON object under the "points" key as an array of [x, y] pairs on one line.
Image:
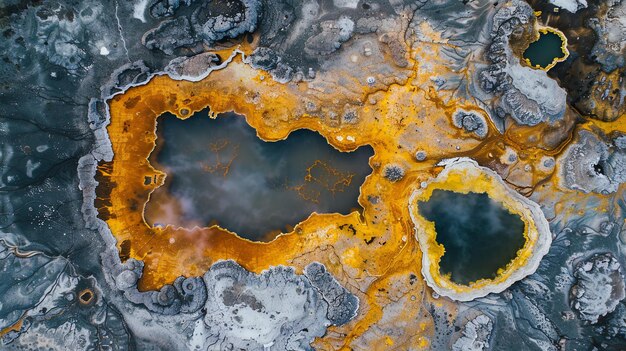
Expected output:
{"points": [[420, 81]]}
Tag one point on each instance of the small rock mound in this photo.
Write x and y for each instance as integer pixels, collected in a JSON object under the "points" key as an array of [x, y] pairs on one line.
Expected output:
{"points": [[475, 336], [471, 122], [594, 165], [599, 287], [393, 172]]}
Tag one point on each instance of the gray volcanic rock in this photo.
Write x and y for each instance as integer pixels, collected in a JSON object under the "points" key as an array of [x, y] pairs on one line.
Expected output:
{"points": [[475, 335], [599, 287], [527, 95], [570, 5], [289, 304], [185, 295], [210, 22], [329, 40], [471, 122], [42, 291], [342, 305], [192, 68], [534, 322], [267, 59], [170, 35], [393, 172], [420, 155], [610, 49], [616, 326], [166, 8], [70, 37], [217, 20], [593, 165], [296, 36], [124, 77], [276, 309], [385, 29], [62, 61], [27, 282]]}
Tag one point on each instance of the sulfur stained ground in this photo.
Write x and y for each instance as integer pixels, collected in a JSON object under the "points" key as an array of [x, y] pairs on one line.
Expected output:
{"points": [[374, 254]]}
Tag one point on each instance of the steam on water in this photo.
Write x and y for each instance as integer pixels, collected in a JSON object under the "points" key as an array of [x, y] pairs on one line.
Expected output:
{"points": [[220, 172], [479, 235]]}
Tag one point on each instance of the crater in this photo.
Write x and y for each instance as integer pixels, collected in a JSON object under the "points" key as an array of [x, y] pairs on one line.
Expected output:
{"points": [[219, 172], [85, 297], [479, 235], [548, 50]]}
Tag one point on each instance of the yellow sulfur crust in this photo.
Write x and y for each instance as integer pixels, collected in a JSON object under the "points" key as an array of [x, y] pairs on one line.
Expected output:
{"points": [[374, 253]]}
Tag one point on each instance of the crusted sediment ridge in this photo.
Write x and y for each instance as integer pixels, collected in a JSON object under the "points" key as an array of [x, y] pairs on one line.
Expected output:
{"points": [[527, 95]]}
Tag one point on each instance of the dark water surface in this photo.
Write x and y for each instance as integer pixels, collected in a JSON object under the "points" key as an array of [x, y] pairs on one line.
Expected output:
{"points": [[222, 173], [543, 51], [479, 235]]}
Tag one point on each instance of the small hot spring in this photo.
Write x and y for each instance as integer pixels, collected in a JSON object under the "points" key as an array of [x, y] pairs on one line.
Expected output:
{"points": [[545, 50], [479, 235], [220, 172]]}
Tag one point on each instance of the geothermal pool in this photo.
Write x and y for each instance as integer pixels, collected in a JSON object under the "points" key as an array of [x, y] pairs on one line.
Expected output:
{"points": [[479, 235], [220, 172], [545, 50]]}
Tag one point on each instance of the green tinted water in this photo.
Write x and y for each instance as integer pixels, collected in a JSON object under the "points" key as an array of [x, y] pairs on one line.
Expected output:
{"points": [[543, 51], [479, 235]]}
